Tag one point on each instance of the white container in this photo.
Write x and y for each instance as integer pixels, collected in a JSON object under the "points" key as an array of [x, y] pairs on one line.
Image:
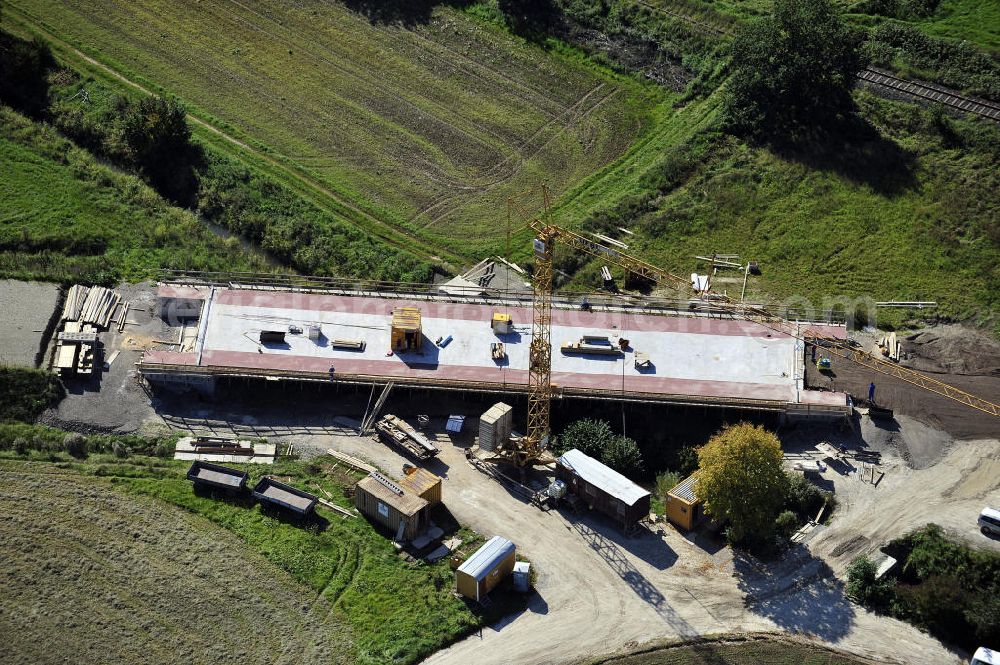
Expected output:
{"points": [[315, 332], [522, 576]]}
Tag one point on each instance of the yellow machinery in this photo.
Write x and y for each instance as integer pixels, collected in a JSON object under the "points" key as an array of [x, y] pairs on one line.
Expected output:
{"points": [[527, 450], [502, 324], [405, 334]]}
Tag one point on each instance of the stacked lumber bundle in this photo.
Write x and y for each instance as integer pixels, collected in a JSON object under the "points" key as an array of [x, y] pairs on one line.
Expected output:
{"points": [[99, 306], [890, 347], [75, 298]]}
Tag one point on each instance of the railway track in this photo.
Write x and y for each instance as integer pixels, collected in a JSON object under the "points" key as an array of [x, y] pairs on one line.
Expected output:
{"points": [[920, 90], [931, 92]]}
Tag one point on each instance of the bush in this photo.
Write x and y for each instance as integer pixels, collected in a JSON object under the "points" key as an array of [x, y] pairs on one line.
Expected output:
{"points": [[804, 498], [119, 449], [955, 64], [24, 69], [588, 436], [25, 393], [21, 445], [665, 482], [622, 454], [787, 523], [686, 460], [75, 444]]}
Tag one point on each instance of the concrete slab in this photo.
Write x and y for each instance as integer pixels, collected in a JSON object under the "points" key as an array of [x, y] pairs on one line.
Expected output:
{"points": [[689, 355]]}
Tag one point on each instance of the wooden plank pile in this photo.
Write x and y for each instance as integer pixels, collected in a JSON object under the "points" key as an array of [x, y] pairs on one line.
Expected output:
{"points": [[890, 347], [75, 298], [99, 306]]}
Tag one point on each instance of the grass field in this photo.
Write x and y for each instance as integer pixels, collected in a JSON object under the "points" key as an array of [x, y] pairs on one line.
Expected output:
{"points": [[911, 215], [428, 127], [376, 607], [762, 651], [92, 574], [64, 216], [976, 21]]}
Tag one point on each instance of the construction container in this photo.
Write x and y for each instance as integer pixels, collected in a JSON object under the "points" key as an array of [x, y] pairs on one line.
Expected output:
{"points": [[422, 483], [405, 333], [385, 503], [502, 324], [495, 426], [521, 576], [486, 568], [603, 488], [314, 332], [682, 507], [217, 477], [272, 492]]}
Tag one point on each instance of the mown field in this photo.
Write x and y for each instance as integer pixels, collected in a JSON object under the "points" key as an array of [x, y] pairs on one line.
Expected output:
{"points": [[269, 590], [92, 574], [428, 127], [65, 216]]}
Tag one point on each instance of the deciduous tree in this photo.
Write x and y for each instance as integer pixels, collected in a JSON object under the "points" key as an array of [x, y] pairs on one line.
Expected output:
{"points": [[740, 479], [793, 72]]}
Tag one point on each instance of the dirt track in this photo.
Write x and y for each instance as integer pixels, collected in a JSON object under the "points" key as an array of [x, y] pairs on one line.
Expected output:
{"points": [[956, 355]]}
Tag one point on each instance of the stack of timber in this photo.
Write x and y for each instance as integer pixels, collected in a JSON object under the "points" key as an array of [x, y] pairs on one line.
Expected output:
{"points": [[75, 298], [396, 432], [495, 427], [890, 347], [350, 461], [99, 306], [592, 344]]}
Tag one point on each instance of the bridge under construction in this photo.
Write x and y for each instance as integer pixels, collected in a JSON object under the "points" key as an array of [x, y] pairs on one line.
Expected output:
{"points": [[476, 344]]}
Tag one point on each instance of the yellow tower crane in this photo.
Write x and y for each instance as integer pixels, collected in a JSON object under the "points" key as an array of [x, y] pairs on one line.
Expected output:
{"points": [[528, 449]]}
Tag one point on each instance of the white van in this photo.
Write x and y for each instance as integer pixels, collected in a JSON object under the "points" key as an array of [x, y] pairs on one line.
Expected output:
{"points": [[989, 521], [984, 656]]}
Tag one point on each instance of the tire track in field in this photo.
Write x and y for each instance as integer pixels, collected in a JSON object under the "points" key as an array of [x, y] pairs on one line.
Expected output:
{"points": [[301, 646], [521, 161], [382, 230], [519, 149]]}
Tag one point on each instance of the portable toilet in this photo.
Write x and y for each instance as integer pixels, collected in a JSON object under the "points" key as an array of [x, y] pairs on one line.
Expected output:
{"points": [[522, 576], [486, 568]]}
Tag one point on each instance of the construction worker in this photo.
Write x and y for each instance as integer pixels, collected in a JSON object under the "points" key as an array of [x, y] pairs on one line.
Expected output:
{"points": [[871, 392]]}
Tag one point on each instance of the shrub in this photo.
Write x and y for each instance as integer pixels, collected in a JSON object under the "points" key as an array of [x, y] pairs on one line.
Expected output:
{"points": [[686, 460], [24, 69], [25, 393], [864, 587], [75, 444], [787, 523], [665, 482], [588, 436], [803, 498], [622, 454], [119, 449], [21, 445]]}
